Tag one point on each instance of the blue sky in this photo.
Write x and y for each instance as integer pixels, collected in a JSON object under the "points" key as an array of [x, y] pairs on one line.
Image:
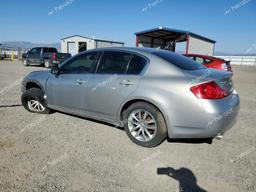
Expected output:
{"points": [[118, 20]]}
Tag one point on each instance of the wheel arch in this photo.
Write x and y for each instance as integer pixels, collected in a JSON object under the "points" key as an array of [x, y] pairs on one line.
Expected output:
{"points": [[128, 103], [33, 84]]}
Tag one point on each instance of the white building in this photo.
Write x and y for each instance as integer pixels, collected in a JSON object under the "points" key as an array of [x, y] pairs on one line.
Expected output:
{"points": [[76, 43]]}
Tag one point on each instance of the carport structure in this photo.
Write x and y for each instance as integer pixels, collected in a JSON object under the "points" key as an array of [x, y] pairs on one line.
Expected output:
{"points": [[166, 38]]}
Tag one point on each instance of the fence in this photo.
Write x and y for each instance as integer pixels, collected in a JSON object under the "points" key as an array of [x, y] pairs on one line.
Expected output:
{"points": [[7, 52], [240, 60]]}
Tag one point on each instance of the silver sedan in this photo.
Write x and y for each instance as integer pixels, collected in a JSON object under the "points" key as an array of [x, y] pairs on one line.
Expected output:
{"points": [[153, 94]]}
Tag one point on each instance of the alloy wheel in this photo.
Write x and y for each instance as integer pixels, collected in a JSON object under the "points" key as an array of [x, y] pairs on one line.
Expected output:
{"points": [[35, 105], [142, 125]]}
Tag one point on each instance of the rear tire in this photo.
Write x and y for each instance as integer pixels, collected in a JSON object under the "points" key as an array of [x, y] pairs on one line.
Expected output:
{"points": [[144, 124], [46, 64], [33, 101]]}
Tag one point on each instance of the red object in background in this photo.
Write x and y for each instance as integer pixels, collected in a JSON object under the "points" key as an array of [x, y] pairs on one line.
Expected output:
{"points": [[211, 62], [54, 56]]}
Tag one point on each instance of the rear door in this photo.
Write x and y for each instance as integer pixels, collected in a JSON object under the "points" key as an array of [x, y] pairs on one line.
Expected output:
{"points": [[117, 76], [68, 89]]}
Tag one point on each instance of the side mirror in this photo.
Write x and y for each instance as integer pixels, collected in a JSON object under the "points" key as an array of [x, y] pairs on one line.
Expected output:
{"points": [[55, 70]]}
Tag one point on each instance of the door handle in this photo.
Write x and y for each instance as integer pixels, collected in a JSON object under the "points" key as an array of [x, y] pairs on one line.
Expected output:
{"points": [[127, 82], [80, 81]]}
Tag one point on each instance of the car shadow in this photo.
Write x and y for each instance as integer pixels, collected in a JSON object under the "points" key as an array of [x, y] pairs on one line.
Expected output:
{"points": [[186, 178], [191, 141], [93, 120], [186, 141]]}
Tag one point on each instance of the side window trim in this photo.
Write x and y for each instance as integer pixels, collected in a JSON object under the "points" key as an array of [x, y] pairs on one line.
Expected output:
{"points": [[127, 67], [98, 62]]}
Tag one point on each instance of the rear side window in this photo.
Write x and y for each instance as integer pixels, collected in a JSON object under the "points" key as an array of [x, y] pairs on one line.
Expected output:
{"points": [[136, 65], [179, 61], [113, 62], [49, 50]]}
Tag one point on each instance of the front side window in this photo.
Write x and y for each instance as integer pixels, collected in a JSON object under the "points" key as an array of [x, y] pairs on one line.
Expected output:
{"points": [[113, 62], [33, 51], [136, 65], [81, 64]]}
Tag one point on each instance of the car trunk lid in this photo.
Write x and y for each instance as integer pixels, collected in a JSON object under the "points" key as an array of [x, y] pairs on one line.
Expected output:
{"points": [[222, 78]]}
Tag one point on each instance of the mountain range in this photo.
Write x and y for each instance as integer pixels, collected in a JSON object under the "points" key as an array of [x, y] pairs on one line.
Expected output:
{"points": [[26, 45]]}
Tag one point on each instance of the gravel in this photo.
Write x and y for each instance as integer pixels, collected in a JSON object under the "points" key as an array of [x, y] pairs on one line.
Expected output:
{"points": [[60, 152]]}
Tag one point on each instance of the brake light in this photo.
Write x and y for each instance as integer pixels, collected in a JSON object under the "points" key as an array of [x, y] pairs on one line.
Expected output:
{"points": [[209, 90], [224, 66], [54, 56]]}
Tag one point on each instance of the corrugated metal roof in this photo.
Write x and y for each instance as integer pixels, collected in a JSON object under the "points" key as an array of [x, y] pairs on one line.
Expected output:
{"points": [[161, 31]]}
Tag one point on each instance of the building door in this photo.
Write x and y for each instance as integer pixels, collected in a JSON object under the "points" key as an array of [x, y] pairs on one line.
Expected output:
{"points": [[72, 48], [82, 46]]}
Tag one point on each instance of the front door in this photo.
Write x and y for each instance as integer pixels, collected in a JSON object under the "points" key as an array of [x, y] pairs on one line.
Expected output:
{"points": [[34, 56], [67, 90]]}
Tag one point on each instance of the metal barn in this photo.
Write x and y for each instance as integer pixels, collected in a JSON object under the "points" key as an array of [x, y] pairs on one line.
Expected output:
{"points": [[166, 38]]}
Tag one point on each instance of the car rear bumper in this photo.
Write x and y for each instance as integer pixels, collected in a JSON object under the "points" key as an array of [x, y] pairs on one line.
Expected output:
{"points": [[216, 118]]}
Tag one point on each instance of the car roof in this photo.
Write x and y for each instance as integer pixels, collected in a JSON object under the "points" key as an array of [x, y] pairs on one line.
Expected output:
{"points": [[141, 50]]}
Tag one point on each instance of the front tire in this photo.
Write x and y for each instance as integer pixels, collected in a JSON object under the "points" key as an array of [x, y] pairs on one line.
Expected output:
{"points": [[144, 124], [33, 101], [25, 62]]}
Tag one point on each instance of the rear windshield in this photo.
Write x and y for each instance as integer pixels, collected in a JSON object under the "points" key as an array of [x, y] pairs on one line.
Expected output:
{"points": [[180, 61], [49, 50]]}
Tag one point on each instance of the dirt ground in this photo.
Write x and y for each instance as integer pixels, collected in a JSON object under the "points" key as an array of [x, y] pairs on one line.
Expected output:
{"points": [[59, 152]]}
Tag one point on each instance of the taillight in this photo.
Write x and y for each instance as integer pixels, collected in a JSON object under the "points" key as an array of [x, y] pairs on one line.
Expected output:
{"points": [[54, 56], [209, 90], [224, 66]]}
